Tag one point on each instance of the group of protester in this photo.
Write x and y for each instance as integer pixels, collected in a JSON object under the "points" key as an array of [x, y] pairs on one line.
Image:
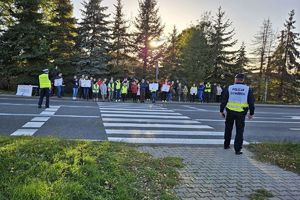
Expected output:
{"points": [[140, 90]]}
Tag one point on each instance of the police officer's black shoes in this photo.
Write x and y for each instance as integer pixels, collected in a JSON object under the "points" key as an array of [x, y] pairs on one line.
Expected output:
{"points": [[39, 106], [228, 147], [238, 153]]}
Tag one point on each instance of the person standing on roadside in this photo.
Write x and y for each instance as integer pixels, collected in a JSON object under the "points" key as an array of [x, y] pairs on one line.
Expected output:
{"points": [[58, 83], [111, 89], [238, 99], [207, 92], [118, 90], [75, 87], [219, 93], [193, 92], [95, 90], [179, 91], [201, 88], [185, 93], [103, 89], [124, 91], [45, 87], [134, 90], [81, 93], [143, 87]]}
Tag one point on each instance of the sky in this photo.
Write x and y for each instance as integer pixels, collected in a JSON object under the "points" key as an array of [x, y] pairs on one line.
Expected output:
{"points": [[246, 15]]}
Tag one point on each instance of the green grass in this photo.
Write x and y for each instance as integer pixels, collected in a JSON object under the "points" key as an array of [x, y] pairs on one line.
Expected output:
{"points": [[261, 194], [285, 155], [49, 168]]}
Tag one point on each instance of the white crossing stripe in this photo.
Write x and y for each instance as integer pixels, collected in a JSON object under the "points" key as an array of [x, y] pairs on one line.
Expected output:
{"points": [[145, 113], [295, 117], [33, 124], [156, 125], [145, 116], [249, 121], [295, 129], [40, 119], [180, 121], [47, 113], [136, 109], [160, 132], [24, 132], [51, 109], [168, 141]]}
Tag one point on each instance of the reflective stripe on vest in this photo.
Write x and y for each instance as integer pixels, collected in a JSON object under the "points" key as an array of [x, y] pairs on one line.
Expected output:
{"points": [[238, 97], [96, 88], [207, 88], [44, 81]]}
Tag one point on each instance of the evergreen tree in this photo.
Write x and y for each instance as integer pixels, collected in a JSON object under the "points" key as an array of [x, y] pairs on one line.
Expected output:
{"points": [[171, 58], [120, 41], [93, 39], [24, 46], [242, 60], [221, 40], [6, 19], [148, 28], [63, 35], [285, 58]]}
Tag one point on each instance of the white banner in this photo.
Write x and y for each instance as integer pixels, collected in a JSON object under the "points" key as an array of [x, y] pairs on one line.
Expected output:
{"points": [[58, 82], [165, 88], [25, 90], [86, 83], [153, 86]]}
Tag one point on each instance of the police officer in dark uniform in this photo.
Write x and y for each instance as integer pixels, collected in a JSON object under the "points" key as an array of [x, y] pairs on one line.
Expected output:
{"points": [[238, 99]]}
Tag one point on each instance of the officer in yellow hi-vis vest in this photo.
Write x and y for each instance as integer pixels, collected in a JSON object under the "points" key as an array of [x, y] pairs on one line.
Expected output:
{"points": [[238, 99], [207, 92], [45, 87]]}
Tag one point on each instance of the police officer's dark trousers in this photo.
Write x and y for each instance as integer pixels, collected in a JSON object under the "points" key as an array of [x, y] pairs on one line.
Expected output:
{"points": [[239, 119], [44, 92]]}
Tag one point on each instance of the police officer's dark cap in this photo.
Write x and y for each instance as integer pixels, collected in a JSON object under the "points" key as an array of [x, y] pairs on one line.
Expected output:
{"points": [[240, 76]]}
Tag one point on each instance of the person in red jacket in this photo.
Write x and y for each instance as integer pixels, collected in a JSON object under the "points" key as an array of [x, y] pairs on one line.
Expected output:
{"points": [[134, 90]]}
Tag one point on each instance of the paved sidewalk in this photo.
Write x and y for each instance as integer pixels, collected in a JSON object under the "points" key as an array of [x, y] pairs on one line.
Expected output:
{"points": [[215, 173]]}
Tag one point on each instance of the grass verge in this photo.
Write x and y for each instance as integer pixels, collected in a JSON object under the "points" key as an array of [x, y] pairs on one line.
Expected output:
{"points": [[285, 155], [49, 168], [261, 194]]}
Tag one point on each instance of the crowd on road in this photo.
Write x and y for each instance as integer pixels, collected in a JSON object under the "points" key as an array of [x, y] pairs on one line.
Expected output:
{"points": [[98, 89]]}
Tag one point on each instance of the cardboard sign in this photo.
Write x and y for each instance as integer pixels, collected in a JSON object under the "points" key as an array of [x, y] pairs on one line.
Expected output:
{"points": [[25, 90], [153, 86], [86, 83], [165, 88], [58, 82]]}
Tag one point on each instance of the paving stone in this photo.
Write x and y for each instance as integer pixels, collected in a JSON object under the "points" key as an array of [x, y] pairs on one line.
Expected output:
{"points": [[212, 173]]}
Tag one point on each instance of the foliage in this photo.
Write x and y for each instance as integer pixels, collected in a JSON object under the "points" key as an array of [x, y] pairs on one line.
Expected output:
{"points": [[48, 168], [285, 155], [261, 194], [148, 28], [93, 39]]}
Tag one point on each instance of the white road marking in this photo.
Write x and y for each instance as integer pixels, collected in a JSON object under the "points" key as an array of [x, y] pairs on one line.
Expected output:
{"points": [[145, 116], [24, 132], [33, 115], [295, 129], [33, 124], [194, 108], [156, 125], [295, 117], [40, 119], [145, 113], [47, 113], [168, 141], [180, 121], [250, 121], [51, 109], [160, 132], [135, 109]]}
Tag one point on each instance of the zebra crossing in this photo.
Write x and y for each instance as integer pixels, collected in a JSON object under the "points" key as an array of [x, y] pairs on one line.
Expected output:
{"points": [[152, 124]]}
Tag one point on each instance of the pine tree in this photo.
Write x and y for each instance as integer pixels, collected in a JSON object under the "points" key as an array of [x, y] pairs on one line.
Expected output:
{"points": [[221, 39], [63, 36], [148, 28], [171, 58], [285, 57], [6, 19], [93, 39], [120, 41], [24, 46], [242, 60]]}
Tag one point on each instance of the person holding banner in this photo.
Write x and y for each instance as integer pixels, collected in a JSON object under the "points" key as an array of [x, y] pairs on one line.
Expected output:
{"points": [[86, 84], [193, 92], [164, 90], [58, 83], [153, 87], [45, 87]]}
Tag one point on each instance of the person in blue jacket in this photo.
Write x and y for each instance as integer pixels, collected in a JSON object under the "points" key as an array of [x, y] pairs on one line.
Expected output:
{"points": [[201, 89]]}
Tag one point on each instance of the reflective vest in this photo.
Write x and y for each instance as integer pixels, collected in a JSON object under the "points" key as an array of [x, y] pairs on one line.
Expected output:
{"points": [[44, 81], [118, 85], [207, 87], [95, 88], [112, 86], [238, 97], [124, 89]]}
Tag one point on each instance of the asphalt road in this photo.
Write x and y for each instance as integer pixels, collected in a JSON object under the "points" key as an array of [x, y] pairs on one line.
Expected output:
{"points": [[175, 123]]}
